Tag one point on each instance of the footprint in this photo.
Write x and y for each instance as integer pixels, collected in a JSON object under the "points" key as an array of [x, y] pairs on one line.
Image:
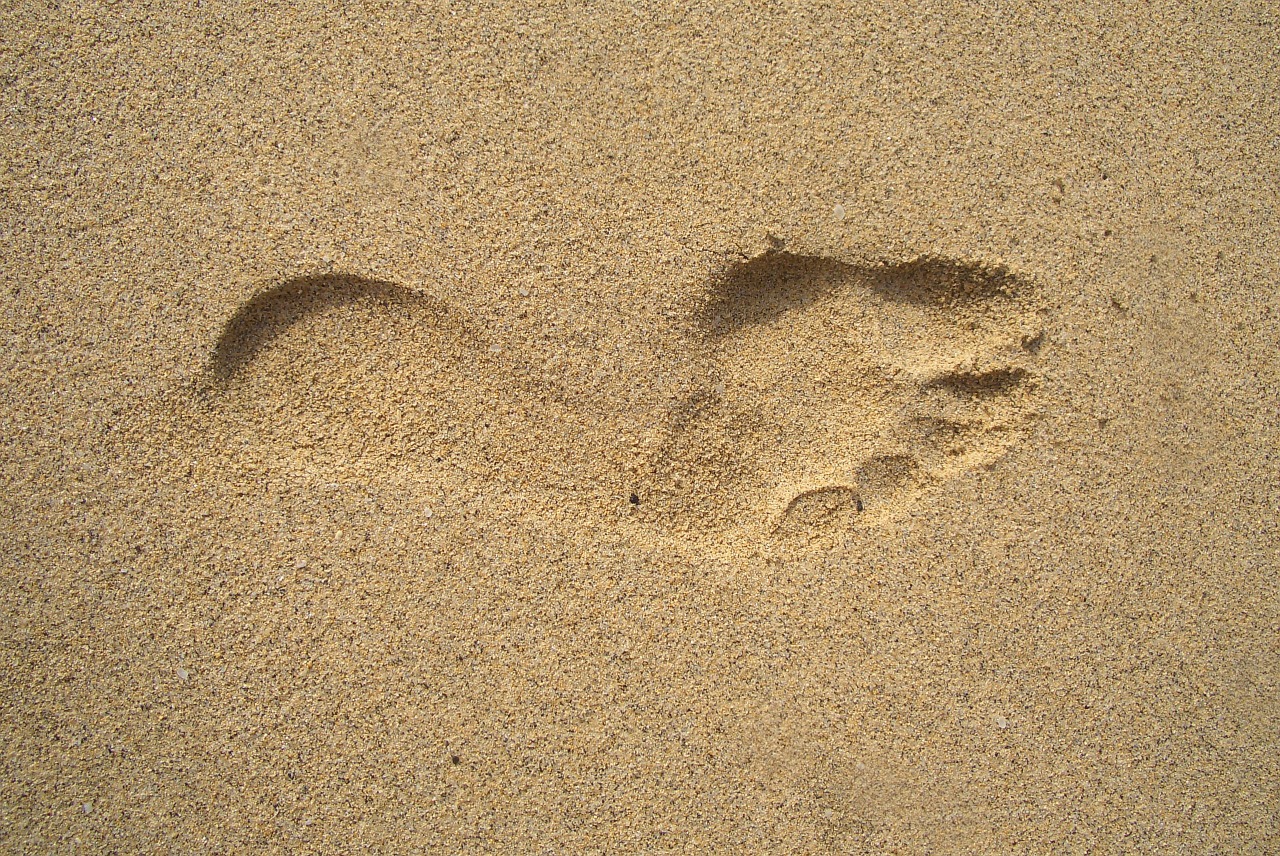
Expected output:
{"points": [[338, 378], [832, 395], [838, 393]]}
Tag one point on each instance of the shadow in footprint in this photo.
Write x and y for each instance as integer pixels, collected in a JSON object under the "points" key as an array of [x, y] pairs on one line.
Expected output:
{"points": [[762, 289], [338, 377], [270, 313], [765, 287], [942, 283], [980, 383]]}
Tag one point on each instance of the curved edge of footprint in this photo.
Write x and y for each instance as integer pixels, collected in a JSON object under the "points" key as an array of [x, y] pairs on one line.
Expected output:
{"points": [[291, 376], [851, 390], [344, 381], [273, 310], [341, 379]]}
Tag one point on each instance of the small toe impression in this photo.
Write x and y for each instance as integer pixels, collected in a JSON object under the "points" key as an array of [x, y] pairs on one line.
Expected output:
{"points": [[880, 487], [822, 507]]}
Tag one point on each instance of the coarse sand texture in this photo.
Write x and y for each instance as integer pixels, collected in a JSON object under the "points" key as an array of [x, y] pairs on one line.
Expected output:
{"points": [[735, 428]]}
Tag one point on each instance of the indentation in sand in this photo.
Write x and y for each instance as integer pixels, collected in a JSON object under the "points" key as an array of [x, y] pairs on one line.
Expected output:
{"points": [[834, 395], [838, 393], [271, 313], [333, 376]]}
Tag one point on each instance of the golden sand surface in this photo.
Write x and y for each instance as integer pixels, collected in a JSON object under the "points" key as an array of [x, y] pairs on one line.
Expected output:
{"points": [[622, 428]]}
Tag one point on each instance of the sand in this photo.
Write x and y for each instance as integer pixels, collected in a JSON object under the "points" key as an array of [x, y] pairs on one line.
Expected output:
{"points": [[538, 428]]}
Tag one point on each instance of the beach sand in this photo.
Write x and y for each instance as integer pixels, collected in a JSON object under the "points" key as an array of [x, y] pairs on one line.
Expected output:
{"points": [[537, 428]]}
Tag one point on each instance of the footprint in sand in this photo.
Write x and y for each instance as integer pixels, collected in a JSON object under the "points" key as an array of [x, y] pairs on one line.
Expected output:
{"points": [[834, 395], [341, 378], [837, 394]]}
